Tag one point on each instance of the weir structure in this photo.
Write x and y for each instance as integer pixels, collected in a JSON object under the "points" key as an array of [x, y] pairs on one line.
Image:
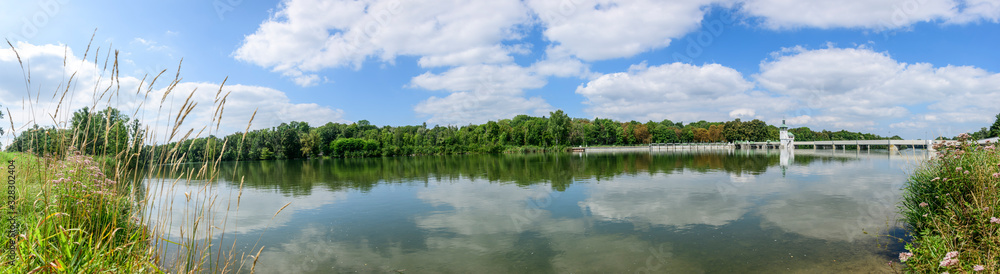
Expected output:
{"points": [[786, 142]]}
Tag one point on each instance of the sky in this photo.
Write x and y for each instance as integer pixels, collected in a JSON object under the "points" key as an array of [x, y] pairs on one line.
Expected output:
{"points": [[913, 68]]}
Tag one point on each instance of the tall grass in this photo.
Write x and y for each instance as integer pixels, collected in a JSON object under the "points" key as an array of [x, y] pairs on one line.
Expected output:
{"points": [[107, 212], [952, 206]]}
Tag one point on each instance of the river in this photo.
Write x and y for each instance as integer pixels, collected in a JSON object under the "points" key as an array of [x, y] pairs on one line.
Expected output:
{"points": [[735, 211]]}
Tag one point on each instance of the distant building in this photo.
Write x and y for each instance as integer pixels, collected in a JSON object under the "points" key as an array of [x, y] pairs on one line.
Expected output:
{"points": [[787, 138]]}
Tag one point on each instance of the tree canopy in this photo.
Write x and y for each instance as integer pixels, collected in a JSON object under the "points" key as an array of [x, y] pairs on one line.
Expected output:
{"points": [[109, 132]]}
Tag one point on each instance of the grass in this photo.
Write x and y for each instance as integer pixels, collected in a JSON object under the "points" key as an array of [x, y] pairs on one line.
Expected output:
{"points": [[78, 213], [73, 219], [952, 205]]}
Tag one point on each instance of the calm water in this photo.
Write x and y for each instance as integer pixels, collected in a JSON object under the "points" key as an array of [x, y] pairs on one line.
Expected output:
{"points": [[715, 212]]}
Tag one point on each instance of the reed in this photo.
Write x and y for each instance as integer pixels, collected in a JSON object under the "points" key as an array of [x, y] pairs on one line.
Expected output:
{"points": [[91, 197]]}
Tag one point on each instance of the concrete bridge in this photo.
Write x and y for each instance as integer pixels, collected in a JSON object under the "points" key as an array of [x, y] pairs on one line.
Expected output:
{"points": [[788, 143], [867, 144], [857, 144], [658, 147]]}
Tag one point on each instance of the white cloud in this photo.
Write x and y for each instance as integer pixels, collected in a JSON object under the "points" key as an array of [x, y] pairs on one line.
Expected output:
{"points": [[273, 106], [908, 125], [742, 113], [480, 93], [490, 55], [864, 88], [976, 10], [803, 72], [462, 108], [305, 36], [827, 14], [558, 62], [604, 29], [46, 105], [676, 91], [150, 44], [505, 78]]}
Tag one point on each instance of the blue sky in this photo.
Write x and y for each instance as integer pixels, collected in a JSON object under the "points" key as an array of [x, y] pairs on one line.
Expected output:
{"points": [[917, 68]]}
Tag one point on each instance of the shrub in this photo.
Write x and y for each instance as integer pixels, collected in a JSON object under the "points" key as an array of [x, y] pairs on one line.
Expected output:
{"points": [[951, 205]]}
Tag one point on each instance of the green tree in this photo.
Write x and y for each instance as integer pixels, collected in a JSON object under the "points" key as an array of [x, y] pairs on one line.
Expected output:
{"points": [[290, 145], [994, 129], [310, 143], [107, 132], [558, 126]]}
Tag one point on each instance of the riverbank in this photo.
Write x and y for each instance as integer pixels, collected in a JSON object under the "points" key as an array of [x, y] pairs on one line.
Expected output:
{"points": [[71, 217], [952, 205]]}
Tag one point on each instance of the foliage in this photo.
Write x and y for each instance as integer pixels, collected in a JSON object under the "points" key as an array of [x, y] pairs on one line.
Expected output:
{"points": [[520, 134], [78, 221], [105, 133], [81, 206], [354, 147], [994, 129], [951, 205], [109, 132]]}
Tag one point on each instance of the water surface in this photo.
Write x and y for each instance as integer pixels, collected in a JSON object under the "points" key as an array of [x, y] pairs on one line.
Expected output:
{"points": [[686, 212]]}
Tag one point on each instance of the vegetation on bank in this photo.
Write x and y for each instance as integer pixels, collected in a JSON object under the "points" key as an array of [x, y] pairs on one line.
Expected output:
{"points": [[72, 217], [952, 205], [87, 191], [295, 140]]}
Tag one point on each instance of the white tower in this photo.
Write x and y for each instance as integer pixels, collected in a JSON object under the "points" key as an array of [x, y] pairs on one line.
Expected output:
{"points": [[787, 138]]}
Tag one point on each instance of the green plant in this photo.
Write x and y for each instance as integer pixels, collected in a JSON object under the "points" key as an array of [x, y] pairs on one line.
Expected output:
{"points": [[951, 205], [87, 190]]}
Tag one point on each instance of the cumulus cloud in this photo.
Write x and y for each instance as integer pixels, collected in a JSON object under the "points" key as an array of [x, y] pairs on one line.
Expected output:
{"points": [[865, 88], [978, 10], [48, 101], [305, 36], [602, 29], [742, 113], [506, 78], [480, 93], [676, 91], [856, 89], [826, 14]]}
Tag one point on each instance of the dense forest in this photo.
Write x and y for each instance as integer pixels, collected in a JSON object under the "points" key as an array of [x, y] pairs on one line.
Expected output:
{"points": [[109, 132]]}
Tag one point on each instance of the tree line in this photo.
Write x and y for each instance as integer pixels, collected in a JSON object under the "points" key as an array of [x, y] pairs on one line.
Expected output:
{"points": [[109, 132]]}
